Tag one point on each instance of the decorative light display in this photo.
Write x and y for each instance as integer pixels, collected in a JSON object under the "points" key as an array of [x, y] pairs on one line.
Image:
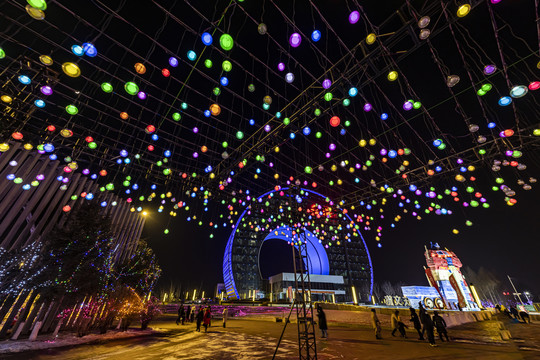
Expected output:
{"points": [[353, 120]]}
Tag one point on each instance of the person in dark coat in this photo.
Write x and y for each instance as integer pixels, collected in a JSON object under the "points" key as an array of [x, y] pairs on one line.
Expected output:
{"points": [[514, 312], [322, 322], [428, 327], [376, 324], [440, 325], [181, 314], [188, 312], [416, 323], [200, 316], [421, 312], [525, 317]]}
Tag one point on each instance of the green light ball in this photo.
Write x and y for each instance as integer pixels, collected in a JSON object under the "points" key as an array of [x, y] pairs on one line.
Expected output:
{"points": [[131, 88], [226, 42], [107, 87]]}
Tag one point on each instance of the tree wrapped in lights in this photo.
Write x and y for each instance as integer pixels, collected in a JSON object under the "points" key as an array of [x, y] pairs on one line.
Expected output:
{"points": [[79, 254]]}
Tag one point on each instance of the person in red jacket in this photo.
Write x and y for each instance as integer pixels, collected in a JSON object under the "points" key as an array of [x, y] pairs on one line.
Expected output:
{"points": [[206, 319]]}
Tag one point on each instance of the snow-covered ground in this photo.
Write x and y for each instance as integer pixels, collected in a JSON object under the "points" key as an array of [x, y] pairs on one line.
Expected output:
{"points": [[67, 339]]}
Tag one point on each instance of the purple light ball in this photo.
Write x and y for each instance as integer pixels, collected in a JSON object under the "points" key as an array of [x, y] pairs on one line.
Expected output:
{"points": [[141, 95], [407, 105], [267, 128], [295, 40], [195, 130], [46, 90], [332, 147], [281, 66], [369, 107], [354, 17], [195, 155], [326, 83]]}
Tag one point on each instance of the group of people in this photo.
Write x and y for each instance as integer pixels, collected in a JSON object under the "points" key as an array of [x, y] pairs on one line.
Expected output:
{"points": [[201, 315], [513, 313], [423, 323]]}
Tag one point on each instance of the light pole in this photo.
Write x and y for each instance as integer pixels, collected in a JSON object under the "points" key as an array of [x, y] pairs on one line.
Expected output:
{"points": [[515, 291]]}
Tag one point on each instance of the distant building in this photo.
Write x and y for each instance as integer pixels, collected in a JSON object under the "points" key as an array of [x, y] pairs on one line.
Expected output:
{"points": [[323, 287]]}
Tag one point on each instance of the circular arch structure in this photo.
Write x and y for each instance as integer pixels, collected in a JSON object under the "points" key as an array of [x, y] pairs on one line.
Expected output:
{"points": [[335, 245]]}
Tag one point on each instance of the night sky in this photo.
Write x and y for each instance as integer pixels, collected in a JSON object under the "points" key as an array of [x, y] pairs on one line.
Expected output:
{"points": [[503, 239]]}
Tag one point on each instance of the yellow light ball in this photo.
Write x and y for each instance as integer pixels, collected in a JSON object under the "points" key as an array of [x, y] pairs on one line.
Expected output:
{"points": [[392, 76], [71, 69]]}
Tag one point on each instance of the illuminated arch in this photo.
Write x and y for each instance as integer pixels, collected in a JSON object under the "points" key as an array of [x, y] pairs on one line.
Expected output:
{"points": [[246, 255]]}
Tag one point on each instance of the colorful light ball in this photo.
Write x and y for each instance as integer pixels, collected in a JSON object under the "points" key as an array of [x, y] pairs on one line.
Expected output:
{"points": [[89, 49], [392, 75], [262, 28], [326, 83], [316, 35], [295, 39], [107, 87], [192, 55], [371, 38], [141, 95], [215, 109], [35, 13], [518, 91], [463, 10], [124, 115], [166, 72], [281, 66], [45, 60], [505, 101], [335, 121], [251, 88], [71, 69], [150, 129], [368, 107], [407, 105], [46, 90], [77, 50], [535, 85], [354, 17], [207, 39], [17, 135], [131, 88], [289, 78], [490, 69], [226, 42]]}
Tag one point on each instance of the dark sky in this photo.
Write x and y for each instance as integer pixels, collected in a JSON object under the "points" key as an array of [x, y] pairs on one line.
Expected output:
{"points": [[504, 240]]}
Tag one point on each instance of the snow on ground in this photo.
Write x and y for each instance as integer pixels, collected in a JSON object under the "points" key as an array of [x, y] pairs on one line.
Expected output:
{"points": [[67, 339]]}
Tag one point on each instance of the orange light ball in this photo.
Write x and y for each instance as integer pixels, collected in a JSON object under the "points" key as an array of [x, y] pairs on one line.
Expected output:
{"points": [[103, 172], [204, 149], [124, 115], [140, 68], [215, 109]]}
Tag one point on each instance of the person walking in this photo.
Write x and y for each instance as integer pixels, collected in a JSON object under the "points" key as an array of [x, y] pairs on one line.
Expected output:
{"points": [[397, 324], [200, 316], [440, 325], [376, 324], [322, 322], [206, 319], [225, 313], [416, 323], [428, 328], [188, 313], [193, 313], [181, 314]]}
